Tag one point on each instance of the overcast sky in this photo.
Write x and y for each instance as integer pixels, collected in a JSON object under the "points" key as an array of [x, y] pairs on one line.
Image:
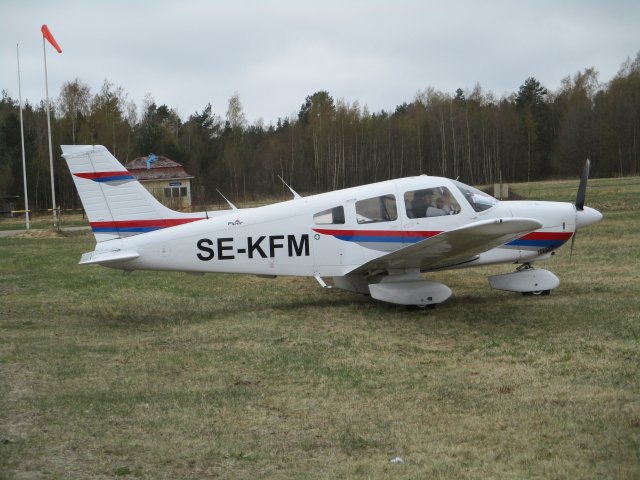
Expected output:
{"points": [[276, 52]]}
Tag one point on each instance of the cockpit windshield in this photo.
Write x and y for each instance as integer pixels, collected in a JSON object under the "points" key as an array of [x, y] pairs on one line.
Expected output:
{"points": [[480, 201]]}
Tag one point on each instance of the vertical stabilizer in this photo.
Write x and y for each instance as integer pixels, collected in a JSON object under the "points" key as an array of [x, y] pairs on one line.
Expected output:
{"points": [[117, 205]]}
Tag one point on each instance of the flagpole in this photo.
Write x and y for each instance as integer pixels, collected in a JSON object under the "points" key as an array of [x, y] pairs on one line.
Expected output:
{"points": [[56, 224], [24, 163]]}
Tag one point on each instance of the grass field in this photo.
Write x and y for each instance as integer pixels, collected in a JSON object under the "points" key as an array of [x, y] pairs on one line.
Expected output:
{"points": [[166, 375], [42, 221]]}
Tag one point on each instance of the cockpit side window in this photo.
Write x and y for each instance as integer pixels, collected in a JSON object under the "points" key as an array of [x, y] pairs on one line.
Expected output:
{"points": [[479, 200], [430, 202], [377, 209], [331, 216]]}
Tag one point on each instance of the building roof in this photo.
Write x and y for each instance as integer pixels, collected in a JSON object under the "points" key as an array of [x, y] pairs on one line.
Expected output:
{"points": [[162, 168]]}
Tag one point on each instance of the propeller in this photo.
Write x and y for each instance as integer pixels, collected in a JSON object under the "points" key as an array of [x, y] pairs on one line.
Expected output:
{"points": [[582, 188], [582, 192]]}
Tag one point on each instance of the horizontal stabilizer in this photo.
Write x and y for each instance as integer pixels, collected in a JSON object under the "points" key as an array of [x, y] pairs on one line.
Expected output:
{"points": [[108, 257]]}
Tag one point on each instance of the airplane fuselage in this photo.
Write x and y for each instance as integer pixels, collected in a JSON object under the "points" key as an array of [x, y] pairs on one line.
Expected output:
{"points": [[289, 238]]}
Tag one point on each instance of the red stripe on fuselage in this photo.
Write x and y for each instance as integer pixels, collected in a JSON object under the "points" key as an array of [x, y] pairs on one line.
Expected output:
{"points": [[547, 236]]}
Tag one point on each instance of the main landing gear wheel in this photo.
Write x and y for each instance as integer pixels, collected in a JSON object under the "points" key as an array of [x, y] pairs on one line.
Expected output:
{"points": [[415, 308], [538, 293]]}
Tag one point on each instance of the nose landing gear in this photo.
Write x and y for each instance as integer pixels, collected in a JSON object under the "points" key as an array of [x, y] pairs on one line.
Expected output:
{"points": [[526, 280]]}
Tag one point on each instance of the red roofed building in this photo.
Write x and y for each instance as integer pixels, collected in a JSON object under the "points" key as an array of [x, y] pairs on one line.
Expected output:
{"points": [[167, 180]]}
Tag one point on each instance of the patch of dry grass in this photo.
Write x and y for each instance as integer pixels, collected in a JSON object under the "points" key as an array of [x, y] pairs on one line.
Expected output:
{"points": [[161, 375]]}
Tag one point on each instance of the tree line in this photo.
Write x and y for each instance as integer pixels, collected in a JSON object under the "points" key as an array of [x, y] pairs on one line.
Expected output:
{"points": [[331, 143]]}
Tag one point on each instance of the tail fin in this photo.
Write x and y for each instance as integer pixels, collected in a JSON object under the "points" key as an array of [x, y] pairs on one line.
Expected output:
{"points": [[116, 204]]}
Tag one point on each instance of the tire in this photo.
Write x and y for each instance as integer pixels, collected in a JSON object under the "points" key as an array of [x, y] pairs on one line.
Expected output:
{"points": [[538, 293]]}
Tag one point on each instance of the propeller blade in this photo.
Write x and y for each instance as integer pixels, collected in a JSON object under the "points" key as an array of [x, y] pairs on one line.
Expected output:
{"points": [[582, 188]]}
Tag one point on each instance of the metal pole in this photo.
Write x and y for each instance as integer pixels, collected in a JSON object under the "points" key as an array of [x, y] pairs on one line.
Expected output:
{"points": [[56, 223], [24, 163]]}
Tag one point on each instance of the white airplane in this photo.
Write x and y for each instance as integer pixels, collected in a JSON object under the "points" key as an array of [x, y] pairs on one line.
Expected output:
{"points": [[376, 239]]}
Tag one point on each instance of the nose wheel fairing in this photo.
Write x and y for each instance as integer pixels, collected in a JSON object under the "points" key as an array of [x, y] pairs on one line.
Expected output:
{"points": [[525, 279]]}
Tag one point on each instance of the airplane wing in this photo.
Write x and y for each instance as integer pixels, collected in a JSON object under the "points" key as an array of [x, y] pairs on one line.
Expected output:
{"points": [[453, 247]]}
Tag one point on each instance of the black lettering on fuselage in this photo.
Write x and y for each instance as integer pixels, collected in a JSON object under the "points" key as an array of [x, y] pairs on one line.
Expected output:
{"points": [[297, 248], [273, 245], [208, 251], [226, 250], [251, 247], [222, 248]]}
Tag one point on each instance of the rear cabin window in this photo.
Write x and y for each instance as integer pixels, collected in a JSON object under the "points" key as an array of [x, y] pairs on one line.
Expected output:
{"points": [[430, 202], [377, 209], [331, 216]]}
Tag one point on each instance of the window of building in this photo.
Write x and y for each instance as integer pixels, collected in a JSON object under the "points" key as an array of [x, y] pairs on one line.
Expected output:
{"points": [[175, 192], [430, 202], [377, 209], [332, 216]]}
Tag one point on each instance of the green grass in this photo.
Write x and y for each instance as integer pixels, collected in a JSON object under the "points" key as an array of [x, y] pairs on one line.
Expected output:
{"points": [[166, 375]]}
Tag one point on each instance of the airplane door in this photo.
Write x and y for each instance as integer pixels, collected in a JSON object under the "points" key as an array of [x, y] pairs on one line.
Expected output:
{"points": [[334, 249]]}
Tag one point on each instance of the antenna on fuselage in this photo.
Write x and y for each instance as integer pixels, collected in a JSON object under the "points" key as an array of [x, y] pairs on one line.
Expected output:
{"points": [[204, 203], [233, 207], [295, 194]]}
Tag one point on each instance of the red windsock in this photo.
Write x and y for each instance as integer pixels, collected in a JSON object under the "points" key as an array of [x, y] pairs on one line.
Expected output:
{"points": [[47, 34]]}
